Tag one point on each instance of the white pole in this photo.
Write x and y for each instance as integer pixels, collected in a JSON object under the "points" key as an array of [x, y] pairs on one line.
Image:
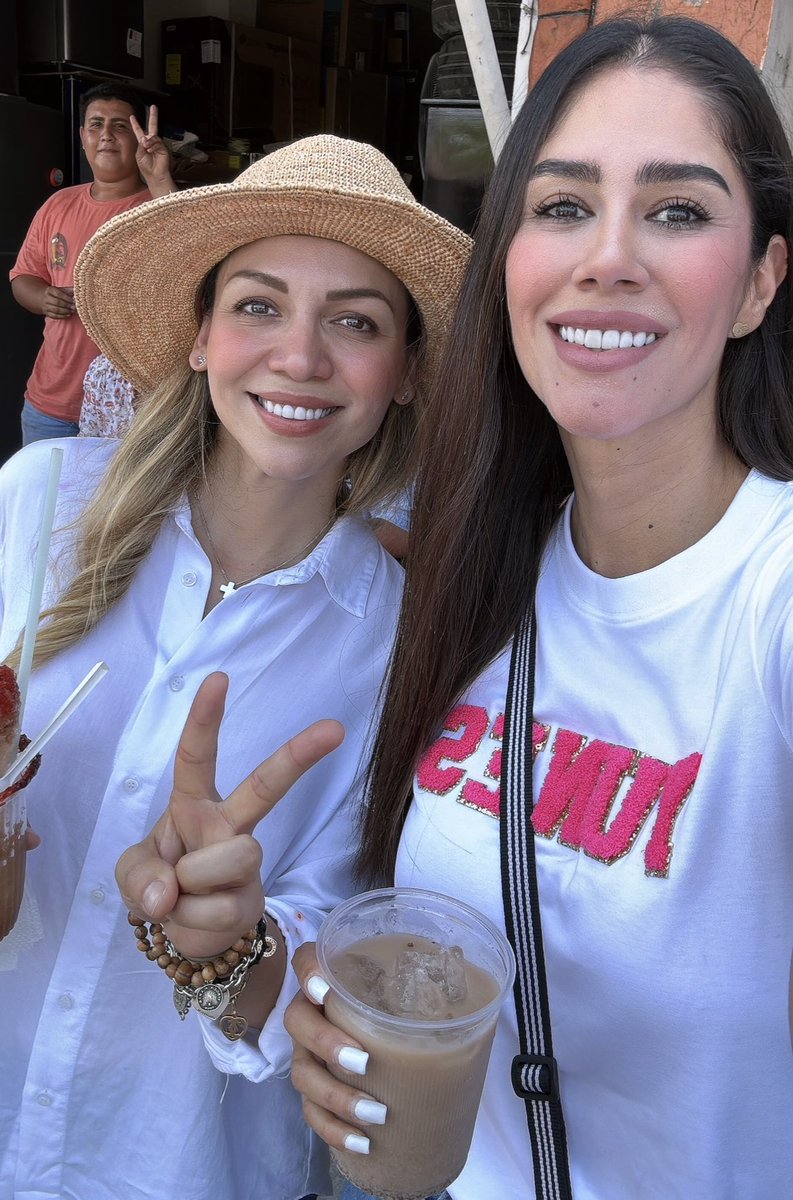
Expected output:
{"points": [[526, 33], [475, 26]]}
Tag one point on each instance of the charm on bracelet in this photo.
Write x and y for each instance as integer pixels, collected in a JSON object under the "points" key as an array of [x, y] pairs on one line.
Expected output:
{"points": [[228, 974]]}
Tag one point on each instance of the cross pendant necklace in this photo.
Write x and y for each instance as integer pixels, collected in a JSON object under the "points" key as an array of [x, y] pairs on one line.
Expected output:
{"points": [[230, 587]]}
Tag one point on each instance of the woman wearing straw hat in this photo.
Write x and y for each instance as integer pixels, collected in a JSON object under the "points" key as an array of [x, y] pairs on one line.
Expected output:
{"points": [[282, 330]]}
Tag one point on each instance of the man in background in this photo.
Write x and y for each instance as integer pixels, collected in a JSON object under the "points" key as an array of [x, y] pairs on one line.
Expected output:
{"points": [[129, 166]]}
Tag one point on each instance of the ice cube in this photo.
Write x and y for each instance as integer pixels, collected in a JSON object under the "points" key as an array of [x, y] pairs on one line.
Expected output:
{"points": [[452, 978], [424, 983], [444, 966], [362, 975], [410, 992]]}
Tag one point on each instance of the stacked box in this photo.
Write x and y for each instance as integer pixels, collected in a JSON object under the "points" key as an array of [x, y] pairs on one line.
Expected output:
{"points": [[227, 80]]}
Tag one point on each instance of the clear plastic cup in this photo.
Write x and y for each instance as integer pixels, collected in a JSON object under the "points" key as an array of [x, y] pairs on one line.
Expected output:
{"points": [[13, 827], [428, 1069]]}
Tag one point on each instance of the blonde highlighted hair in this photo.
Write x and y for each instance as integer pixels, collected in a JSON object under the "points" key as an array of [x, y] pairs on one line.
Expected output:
{"points": [[164, 456]]}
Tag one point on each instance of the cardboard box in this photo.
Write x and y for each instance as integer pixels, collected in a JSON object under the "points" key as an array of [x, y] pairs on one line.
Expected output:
{"points": [[294, 67], [316, 21], [297, 18], [227, 80], [356, 105]]}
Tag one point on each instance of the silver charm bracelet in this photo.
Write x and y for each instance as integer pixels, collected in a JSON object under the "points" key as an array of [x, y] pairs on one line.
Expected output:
{"points": [[214, 999]]}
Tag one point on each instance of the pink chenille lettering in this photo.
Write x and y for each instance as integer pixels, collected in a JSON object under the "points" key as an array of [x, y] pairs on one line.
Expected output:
{"points": [[473, 721], [676, 790], [581, 787], [579, 775], [479, 795]]}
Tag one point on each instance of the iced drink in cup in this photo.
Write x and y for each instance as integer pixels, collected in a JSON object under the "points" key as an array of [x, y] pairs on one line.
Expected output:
{"points": [[418, 979], [13, 815]]}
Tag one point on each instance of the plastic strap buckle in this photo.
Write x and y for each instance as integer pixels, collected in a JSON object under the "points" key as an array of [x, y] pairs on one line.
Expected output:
{"points": [[535, 1077]]}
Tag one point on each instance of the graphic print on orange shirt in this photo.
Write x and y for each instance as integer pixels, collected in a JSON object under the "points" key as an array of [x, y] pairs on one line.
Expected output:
{"points": [[59, 251], [595, 796]]}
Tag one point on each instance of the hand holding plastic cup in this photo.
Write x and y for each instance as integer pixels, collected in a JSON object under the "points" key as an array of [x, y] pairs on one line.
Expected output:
{"points": [[418, 979]]}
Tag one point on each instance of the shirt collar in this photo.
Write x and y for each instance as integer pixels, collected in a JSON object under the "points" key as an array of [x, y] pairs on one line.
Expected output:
{"points": [[346, 560]]}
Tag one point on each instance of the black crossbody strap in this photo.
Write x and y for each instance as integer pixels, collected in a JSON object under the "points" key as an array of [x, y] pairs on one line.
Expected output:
{"points": [[534, 1073]]}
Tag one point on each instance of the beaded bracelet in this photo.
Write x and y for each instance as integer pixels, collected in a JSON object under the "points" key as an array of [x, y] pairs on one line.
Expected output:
{"points": [[211, 984]]}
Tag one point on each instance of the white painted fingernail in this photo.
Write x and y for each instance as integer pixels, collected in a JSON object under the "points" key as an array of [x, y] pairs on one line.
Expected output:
{"points": [[371, 1112], [317, 988], [357, 1143], [352, 1059]]}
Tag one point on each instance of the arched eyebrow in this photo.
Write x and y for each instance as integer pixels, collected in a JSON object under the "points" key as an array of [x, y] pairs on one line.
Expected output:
{"points": [[270, 281], [650, 173], [280, 285], [581, 172], [360, 294], [671, 172]]}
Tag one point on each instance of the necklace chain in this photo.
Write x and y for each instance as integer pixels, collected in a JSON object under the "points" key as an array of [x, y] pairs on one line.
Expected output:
{"points": [[230, 586]]}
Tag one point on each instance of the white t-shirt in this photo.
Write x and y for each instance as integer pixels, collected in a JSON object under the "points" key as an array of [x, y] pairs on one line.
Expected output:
{"points": [[664, 807], [105, 1094]]}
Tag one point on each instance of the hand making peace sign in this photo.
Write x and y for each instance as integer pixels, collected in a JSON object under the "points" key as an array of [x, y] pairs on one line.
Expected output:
{"points": [[198, 871], [152, 156]]}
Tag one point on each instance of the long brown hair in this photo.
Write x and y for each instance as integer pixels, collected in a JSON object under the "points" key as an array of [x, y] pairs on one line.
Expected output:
{"points": [[495, 475]]}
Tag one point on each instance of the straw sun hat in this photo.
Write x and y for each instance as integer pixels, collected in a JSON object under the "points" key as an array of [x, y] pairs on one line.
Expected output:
{"points": [[137, 280]]}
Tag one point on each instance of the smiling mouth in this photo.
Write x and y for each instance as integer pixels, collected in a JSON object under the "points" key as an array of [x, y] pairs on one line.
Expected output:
{"points": [[292, 412], [604, 339]]}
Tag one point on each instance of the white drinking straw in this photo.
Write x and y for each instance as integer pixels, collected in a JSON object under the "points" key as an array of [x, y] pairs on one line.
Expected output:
{"points": [[39, 572], [485, 68], [79, 694]]}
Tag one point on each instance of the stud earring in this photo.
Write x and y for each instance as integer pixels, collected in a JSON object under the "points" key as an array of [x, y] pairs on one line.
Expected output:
{"points": [[200, 360], [739, 330]]}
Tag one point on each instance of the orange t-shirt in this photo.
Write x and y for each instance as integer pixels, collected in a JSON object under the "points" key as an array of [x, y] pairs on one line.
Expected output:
{"points": [[57, 234]]}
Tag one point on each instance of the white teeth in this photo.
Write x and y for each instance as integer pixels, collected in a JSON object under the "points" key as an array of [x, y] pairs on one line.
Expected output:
{"points": [[604, 339], [298, 413]]}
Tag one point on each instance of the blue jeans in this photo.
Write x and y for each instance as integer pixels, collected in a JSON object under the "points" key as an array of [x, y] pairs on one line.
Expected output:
{"points": [[353, 1193], [37, 426]]}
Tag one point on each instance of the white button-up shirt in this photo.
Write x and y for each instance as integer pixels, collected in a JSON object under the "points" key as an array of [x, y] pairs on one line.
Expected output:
{"points": [[104, 1094]]}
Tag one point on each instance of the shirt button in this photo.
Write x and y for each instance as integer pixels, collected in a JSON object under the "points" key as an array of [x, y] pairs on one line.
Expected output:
{"points": [[189, 578], [177, 683], [132, 784], [44, 1099], [66, 1001], [97, 895]]}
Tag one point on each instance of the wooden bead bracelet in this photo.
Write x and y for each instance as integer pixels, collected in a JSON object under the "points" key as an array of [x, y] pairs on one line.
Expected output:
{"points": [[211, 984]]}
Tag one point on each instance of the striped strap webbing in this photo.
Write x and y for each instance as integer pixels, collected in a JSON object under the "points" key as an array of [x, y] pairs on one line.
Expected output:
{"points": [[534, 1074]]}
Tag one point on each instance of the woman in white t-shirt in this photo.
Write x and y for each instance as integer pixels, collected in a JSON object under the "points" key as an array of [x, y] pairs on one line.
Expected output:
{"points": [[618, 444]]}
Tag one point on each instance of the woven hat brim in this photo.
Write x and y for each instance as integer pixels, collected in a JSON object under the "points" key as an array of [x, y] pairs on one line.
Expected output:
{"points": [[137, 279]]}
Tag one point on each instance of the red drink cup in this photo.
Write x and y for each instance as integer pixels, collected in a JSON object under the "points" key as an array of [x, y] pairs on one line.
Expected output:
{"points": [[13, 846]]}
